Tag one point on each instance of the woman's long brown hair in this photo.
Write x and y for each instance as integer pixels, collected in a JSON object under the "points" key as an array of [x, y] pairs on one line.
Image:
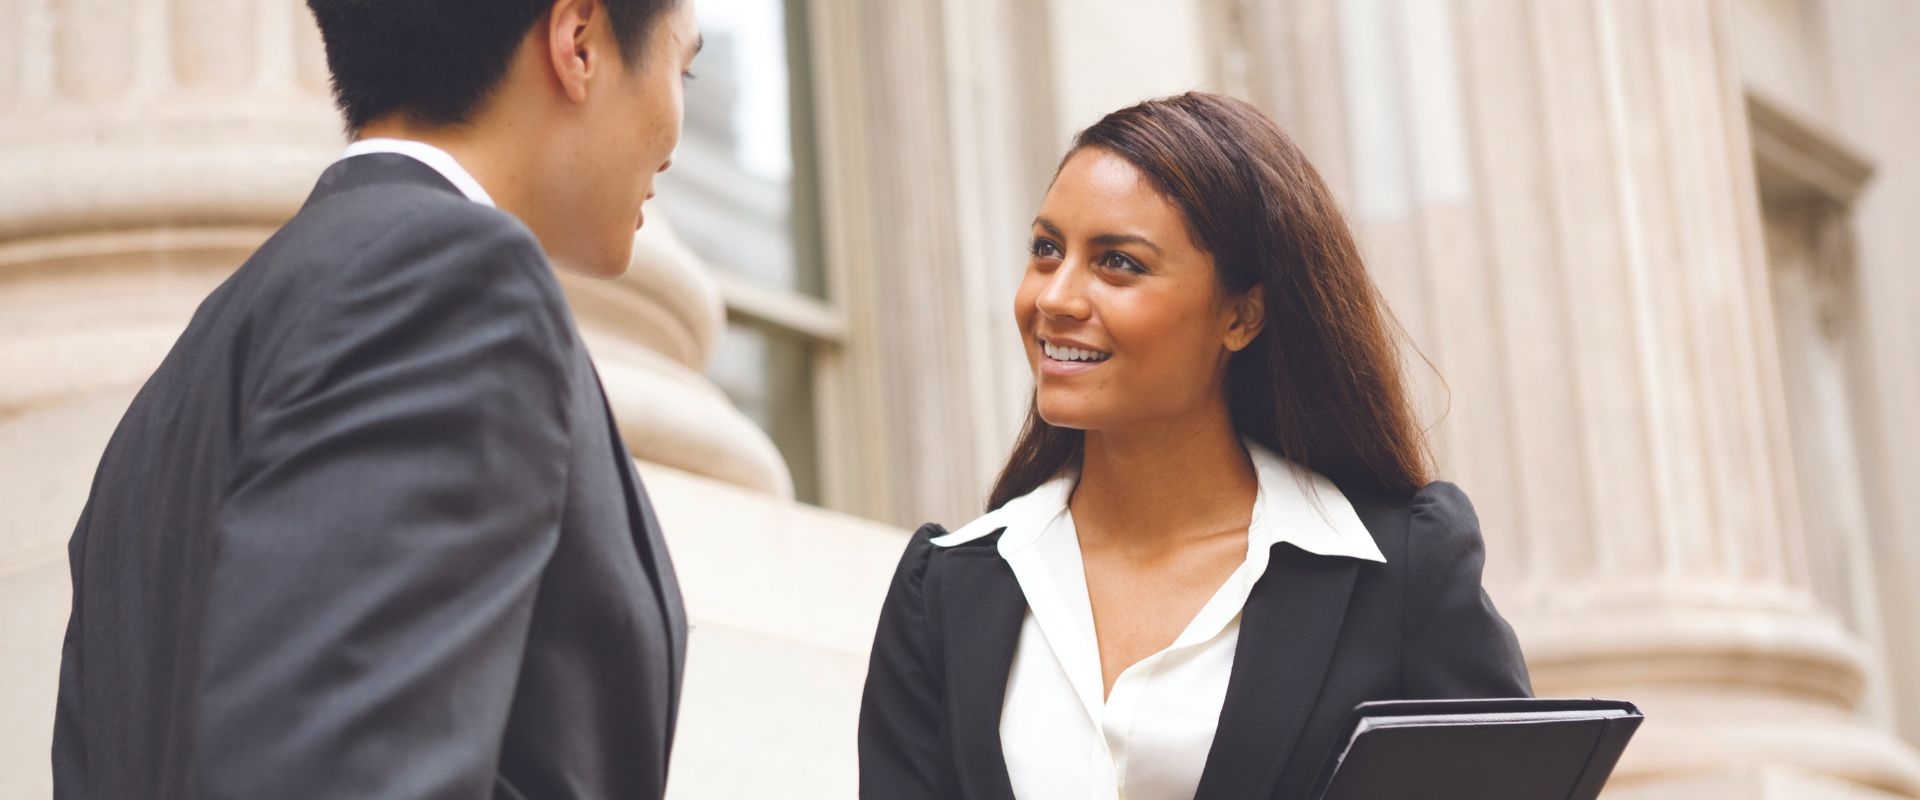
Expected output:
{"points": [[1321, 385]]}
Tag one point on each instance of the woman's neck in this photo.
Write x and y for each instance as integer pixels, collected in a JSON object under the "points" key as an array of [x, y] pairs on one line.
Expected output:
{"points": [[1161, 484]]}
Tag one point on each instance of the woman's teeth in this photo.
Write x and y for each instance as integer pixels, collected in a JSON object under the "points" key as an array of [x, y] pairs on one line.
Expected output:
{"points": [[1074, 354]]}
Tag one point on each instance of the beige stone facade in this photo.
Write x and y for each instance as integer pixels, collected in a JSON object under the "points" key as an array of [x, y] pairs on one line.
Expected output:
{"points": [[1660, 250]]}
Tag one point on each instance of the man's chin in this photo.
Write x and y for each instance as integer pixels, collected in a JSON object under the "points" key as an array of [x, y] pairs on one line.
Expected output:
{"points": [[602, 268]]}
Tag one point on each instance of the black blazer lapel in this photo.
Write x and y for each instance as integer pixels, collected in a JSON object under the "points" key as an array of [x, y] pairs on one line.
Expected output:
{"points": [[983, 610], [1288, 630]]}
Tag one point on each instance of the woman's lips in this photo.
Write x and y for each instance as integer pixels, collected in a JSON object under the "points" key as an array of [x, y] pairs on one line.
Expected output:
{"points": [[1066, 369], [1063, 368]]}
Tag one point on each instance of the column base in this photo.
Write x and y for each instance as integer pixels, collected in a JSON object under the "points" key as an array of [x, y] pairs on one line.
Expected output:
{"points": [[1751, 689], [1755, 783]]}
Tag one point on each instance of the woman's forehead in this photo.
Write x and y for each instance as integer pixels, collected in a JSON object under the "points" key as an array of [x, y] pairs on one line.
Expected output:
{"points": [[1098, 192]]}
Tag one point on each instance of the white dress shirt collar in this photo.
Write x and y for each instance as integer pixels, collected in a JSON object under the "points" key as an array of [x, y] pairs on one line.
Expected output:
{"points": [[440, 160], [1293, 505], [1149, 738]]}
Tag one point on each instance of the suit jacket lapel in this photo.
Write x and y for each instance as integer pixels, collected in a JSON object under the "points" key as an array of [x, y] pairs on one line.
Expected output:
{"points": [[983, 610], [1288, 630], [652, 549], [652, 544]]}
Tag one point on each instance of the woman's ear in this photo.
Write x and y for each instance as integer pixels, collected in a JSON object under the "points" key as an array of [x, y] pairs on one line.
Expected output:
{"points": [[1249, 315]]}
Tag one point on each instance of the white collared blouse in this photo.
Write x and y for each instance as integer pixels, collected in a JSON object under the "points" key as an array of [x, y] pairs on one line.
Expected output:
{"points": [[1149, 739]]}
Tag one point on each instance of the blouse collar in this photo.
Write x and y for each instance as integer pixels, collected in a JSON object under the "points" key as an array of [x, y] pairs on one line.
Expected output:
{"points": [[1293, 504]]}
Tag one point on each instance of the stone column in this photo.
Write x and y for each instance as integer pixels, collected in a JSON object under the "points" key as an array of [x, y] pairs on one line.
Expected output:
{"points": [[1559, 199], [146, 148], [891, 215]]}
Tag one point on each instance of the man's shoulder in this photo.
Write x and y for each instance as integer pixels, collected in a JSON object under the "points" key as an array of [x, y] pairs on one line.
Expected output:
{"points": [[385, 257], [407, 218], [402, 237]]}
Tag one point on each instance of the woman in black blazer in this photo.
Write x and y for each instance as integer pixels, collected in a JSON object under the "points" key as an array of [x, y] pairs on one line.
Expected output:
{"points": [[1216, 534]]}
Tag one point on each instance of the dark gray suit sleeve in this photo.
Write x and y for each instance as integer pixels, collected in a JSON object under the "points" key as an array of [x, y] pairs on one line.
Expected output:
{"points": [[902, 755], [395, 498], [1457, 645]]}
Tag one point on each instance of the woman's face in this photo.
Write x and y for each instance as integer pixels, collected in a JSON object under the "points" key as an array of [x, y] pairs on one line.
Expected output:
{"points": [[1119, 309]]}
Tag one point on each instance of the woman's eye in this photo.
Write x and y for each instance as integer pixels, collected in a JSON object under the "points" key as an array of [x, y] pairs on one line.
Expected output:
{"points": [[1041, 248], [1121, 262]]}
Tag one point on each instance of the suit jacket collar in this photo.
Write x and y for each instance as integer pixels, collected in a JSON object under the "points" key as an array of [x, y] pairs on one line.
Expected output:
{"points": [[375, 169], [440, 160]]}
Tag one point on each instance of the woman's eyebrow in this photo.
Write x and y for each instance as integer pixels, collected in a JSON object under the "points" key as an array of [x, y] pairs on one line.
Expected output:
{"points": [[1112, 239], [1103, 240]]}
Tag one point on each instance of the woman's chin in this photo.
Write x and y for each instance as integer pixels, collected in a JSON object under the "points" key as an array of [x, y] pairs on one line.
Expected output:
{"points": [[1073, 416]]}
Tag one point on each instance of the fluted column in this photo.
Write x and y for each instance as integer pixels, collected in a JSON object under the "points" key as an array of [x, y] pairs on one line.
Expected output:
{"points": [[651, 333], [1559, 200]]}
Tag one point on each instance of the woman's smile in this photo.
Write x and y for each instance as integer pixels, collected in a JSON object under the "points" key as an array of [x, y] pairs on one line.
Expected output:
{"points": [[1062, 358]]}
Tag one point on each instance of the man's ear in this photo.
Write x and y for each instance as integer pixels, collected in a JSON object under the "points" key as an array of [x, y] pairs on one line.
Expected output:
{"points": [[570, 47], [1249, 317]]}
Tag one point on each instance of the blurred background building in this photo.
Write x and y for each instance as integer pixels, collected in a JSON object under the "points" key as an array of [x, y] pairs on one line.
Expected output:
{"points": [[1662, 252]]}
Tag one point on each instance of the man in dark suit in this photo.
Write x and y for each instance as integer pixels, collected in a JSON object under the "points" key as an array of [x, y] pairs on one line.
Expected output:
{"points": [[369, 531]]}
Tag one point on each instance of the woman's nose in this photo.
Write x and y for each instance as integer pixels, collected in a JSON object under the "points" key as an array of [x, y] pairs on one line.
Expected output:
{"points": [[1065, 294]]}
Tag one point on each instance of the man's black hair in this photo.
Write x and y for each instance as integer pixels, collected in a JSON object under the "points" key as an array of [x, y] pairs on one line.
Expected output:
{"points": [[436, 61]]}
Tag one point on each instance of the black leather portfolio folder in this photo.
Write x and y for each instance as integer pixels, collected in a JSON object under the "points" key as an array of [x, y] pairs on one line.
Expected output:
{"points": [[1519, 749]]}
